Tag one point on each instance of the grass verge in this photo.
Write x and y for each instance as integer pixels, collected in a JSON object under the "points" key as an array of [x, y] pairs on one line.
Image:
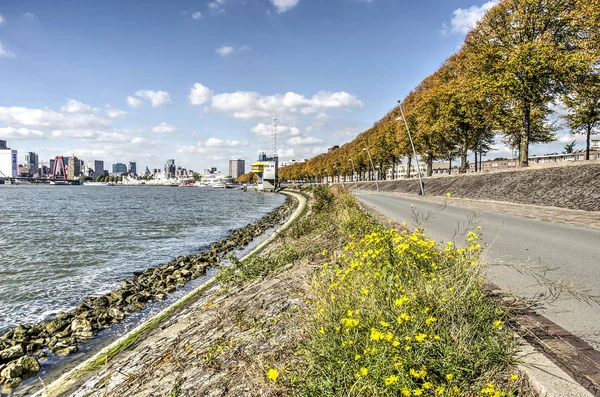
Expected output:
{"points": [[392, 312]]}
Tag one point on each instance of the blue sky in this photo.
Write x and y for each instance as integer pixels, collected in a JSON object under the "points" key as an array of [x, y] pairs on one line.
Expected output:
{"points": [[132, 80]]}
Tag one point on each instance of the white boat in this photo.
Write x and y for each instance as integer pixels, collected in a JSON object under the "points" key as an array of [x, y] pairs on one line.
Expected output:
{"points": [[98, 184], [219, 185], [201, 185]]}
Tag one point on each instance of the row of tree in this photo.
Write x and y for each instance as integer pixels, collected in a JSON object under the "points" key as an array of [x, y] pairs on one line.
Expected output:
{"points": [[524, 59]]}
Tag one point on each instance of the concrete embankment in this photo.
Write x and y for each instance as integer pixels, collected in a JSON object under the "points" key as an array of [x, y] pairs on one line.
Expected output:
{"points": [[574, 187], [21, 347]]}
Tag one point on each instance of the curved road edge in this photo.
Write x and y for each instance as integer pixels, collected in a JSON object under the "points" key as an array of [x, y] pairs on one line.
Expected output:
{"points": [[97, 361]]}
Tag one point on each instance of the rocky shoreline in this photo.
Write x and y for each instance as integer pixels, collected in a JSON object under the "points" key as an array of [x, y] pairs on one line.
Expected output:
{"points": [[22, 347]]}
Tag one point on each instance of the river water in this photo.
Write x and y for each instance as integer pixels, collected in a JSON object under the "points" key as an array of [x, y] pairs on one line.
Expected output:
{"points": [[59, 244]]}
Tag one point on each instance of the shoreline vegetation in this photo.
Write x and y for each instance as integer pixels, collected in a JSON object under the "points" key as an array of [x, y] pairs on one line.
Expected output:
{"points": [[21, 348], [340, 304]]}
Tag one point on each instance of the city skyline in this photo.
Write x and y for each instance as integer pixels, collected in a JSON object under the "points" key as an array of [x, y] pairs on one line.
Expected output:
{"points": [[198, 83]]}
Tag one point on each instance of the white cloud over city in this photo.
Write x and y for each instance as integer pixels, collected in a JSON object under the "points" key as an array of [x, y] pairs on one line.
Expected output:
{"points": [[465, 19], [5, 52], [155, 98], [284, 5]]}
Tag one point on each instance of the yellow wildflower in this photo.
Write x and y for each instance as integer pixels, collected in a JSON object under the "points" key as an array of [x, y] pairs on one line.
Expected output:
{"points": [[430, 320], [322, 331], [514, 377], [390, 380], [497, 323], [273, 374], [420, 337], [449, 376]]}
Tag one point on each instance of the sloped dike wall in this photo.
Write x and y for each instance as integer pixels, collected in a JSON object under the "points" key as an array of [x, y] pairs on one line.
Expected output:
{"points": [[574, 187]]}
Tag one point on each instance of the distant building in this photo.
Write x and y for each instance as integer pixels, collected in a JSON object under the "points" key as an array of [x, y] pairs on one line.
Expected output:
{"points": [[32, 162], [267, 171], [594, 146], [96, 167], [119, 168], [147, 172], [500, 164], [237, 168], [8, 161], [73, 168], [132, 168], [170, 169]]}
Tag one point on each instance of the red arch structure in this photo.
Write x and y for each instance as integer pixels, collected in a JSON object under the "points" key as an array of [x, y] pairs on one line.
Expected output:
{"points": [[62, 165]]}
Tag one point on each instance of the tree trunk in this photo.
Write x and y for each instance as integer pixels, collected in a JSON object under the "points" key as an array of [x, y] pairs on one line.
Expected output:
{"points": [[449, 166], [429, 165], [587, 142], [408, 164], [463, 162], [525, 134]]}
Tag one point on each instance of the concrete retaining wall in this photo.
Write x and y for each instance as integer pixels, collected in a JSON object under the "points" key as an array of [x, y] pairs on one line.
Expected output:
{"points": [[576, 187]]}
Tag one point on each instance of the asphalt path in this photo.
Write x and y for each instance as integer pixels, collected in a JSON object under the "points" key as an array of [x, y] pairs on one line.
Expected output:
{"points": [[518, 248]]}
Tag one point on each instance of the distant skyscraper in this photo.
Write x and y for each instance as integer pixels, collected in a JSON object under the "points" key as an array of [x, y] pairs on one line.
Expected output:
{"points": [[237, 168], [132, 167], [97, 166], [170, 169], [119, 168], [73, 168], [3, 145], [32, 162]]}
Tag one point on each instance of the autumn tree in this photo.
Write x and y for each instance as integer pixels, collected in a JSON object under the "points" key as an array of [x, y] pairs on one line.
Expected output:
{"points": [[523, 53]]}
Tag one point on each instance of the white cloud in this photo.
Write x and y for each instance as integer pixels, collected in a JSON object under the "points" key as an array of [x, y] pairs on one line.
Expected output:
{"points": [[30, 15], [229, 50], [134, 102], [224, 51], [1, 19], [221, 143], [197, 15], [157, 98], [165, 128], [304, 140], [199, 94], [73, 106], [46, 118], [465, 19], [262, 129], [252, 105], [226, 147], [114, 113], [217, 6], [5, 52], [284, 5], [20, 133]]}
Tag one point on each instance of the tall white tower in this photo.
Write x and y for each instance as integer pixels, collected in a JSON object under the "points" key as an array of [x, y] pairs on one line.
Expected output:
{"points": [[274, 135]]}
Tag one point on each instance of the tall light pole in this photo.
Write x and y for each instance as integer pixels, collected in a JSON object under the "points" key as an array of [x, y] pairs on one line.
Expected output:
{"points": [[372, 166], [354, 175], [421, 191]]}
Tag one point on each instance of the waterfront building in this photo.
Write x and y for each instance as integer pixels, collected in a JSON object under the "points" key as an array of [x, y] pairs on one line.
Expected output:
{"points": [[132, 168], [8, 161], [119, 168], [73, 168], [237, 168], [96, 167], [535, 160], [32, 162], [170, 169], [291, 162], [267, 171]]}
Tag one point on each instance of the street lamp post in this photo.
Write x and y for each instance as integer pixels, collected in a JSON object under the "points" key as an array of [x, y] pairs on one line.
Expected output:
{"points": [[354, 175], [421, 190], [372, 166]]}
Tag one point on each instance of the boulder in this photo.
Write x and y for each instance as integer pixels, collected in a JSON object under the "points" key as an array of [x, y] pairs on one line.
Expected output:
{"points": [[54, 326], [11, 353], [82, 328], [11, 371], [100, 302], [67, 350], [29, 365], [12, 383], [116, 313]]}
